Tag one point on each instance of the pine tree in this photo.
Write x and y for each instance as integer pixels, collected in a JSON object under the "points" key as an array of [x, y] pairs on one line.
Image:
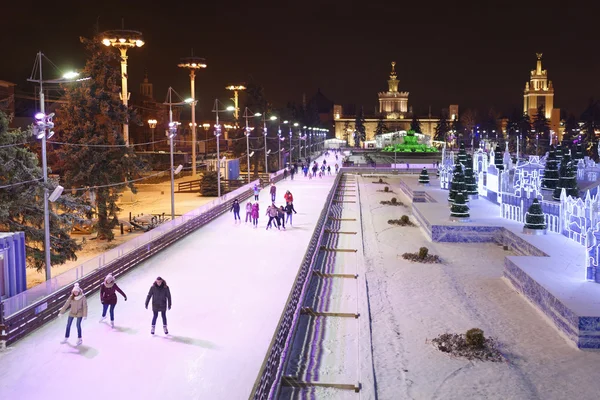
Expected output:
{"points": [[462, 154], [415, 125], [567, 180], [360, 132], [381, 127], [209, 184], [559, 152], [534, 217], [498, 158], [571, 130], [424, 177], [459, 208], [441, 129], [541, 136], [470, 180], [578, 153], [551, 174], [93, 114], [22, 208], [458, 184]]}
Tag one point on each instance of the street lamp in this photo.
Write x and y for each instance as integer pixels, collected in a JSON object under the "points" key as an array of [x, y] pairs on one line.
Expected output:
{"points": [[152, 124], [272, 118], [235, 89], [217, 134], [171, 133], [193, 63], [123, 40]]}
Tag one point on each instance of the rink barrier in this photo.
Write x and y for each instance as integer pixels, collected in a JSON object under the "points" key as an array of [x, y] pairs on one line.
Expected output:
{"points": [[26, 312], [271, 370]]}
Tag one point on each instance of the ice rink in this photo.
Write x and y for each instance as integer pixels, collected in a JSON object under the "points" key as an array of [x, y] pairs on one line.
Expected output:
{"points": [[229, 284]]}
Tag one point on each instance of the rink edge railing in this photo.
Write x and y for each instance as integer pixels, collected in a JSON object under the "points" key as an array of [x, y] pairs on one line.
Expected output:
{"points": [[44, 309], [269, 376]]}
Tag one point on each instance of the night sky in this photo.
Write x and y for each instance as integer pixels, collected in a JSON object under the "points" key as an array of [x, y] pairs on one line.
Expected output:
{"points": [[469, 55]]}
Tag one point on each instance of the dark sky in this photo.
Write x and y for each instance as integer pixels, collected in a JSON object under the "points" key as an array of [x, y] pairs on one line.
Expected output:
{"points": [[461, 53]]}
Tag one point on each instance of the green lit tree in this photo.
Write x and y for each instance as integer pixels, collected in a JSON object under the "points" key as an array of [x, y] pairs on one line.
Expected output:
{"points": [[470, 180], [534, 217], [22, 207], [559, 152], [498, 158], [459, 208], [551, 174], [424, 177], [458, 184], [567, 180], [415, 125], [90, 120]]}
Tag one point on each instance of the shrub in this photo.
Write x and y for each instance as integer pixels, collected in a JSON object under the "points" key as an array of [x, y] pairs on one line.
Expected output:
{"points": [[386, 189], [423, 251], [404, 219], [475, 338], [394, 200], [380, 180]]}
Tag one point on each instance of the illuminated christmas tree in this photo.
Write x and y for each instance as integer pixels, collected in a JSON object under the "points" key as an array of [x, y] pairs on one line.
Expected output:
{"points": [[567, 180], [459, 209], [534, 217], [470, 180], [551, 174], [458, 184], [424, 177]]}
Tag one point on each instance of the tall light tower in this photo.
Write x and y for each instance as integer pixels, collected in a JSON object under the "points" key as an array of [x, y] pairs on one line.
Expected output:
{"points": [[123, 40], [193, 63], [236, 89]]}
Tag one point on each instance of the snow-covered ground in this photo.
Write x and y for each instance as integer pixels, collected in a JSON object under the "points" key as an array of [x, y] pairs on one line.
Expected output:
{"points": [[229, 284], [412, 303]]}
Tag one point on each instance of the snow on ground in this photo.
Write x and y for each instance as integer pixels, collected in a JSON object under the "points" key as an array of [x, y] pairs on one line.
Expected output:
{"points": [[412, 303], [229, 284]]}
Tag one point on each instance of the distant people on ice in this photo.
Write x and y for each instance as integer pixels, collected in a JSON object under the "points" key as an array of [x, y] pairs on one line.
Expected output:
{"points": [[256, 191], [235, 207], [108, 297], [160, 294], [273, 191], [248, 212], [78, 304]]}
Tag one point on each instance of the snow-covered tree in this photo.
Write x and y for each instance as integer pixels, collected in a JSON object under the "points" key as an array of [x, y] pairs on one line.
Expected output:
{"points": [[551, 174]]}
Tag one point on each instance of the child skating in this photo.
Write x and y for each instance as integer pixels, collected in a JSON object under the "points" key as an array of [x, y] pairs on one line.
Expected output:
{"points": [[235, 207], [248, 212], [256, 192], [160, 294], [255, 214], [78, 304], [108, 298]]}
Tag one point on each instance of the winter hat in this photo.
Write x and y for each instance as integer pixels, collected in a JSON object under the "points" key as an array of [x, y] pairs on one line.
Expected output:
{"points": [[159, 278], [109, 278], [76, 289]]}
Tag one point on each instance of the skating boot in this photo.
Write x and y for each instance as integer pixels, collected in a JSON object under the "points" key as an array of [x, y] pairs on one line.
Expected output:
{"points": [[102, 319], [112, 324], [152, 330], [65, 340], [79, 342], [166, 330]]}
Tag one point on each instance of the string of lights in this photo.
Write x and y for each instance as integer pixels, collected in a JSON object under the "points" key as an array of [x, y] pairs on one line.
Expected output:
{"points": [[16, 144], [20, 183]]}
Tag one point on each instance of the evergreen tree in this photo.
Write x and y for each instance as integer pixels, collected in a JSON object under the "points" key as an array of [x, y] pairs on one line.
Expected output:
{"points": [[571, 130], [22, 207], [462, 154], [551, 174], [424, 177], [524, 134], [578, 153], [381, 127], [457, 128], [93, 114], [591, 123], [458, 184], [534, 217], [441, 129], [209, 184], [559, 152], [415, 125], [498, 158], [567, 180], [360, 132], [470, 180], [459, 208], [541, 136]]}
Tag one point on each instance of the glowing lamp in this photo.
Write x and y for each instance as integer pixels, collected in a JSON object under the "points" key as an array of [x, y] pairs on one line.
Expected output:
{"points": [[106, 42]]}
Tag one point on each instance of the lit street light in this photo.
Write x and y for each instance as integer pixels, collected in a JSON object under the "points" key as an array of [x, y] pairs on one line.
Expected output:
{"points": [[123, 40], [171, 133], [152, 124], [218, 134], [235, 89]]}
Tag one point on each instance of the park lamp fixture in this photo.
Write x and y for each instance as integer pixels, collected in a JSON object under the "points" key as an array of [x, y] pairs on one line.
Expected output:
{"points": [[230, 108], [273, 118], [43, 122], [296, 124], [122, 38], [152, 123]]}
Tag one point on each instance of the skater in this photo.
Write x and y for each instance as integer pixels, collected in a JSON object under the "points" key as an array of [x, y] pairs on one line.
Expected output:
{"points": [[289, 208], [281, 217], [161, 300], [248, 212], [272, 213], [285, 173], [235, 207], [108, 298], [273, 191], [78, 304], [329, 170], [289, 198], [292, 172], [256, 192], [314, 169], [336, 168], [255, 214]]}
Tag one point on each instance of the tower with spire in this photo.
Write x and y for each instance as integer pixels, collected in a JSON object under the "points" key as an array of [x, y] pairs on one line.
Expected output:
{"points": [[393, 104], [538, 91], [146, 88]]}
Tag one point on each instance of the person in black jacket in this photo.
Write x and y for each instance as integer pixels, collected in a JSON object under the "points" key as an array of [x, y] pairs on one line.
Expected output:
{"points": [[161, 300], [235, 207], [289, 208]]}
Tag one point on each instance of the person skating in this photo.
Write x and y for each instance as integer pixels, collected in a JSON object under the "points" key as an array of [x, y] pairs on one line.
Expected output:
{"points": [[255, 210], [289, 209], [281, 216], [329, 170], [293, 171], [108, 298], [336, 168], [161, 301], [256, 192], [78, 304], [248, 212], [235, 207], [285, 173], [288, 197], [273, 191], [272, 213]]}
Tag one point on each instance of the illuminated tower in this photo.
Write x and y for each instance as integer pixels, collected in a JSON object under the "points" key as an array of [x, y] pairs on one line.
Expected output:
{"points": [[393, 104], [538, 91]]}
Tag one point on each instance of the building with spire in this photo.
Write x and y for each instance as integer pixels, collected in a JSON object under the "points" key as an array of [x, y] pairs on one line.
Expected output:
{"points": [[393, 104], [540, 92]]}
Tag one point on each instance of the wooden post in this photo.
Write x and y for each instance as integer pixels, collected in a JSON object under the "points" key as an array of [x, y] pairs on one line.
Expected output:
{"points": [[121, 228]]}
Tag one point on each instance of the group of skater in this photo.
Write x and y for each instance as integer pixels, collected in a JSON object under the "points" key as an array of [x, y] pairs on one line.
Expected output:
{"points": [[76, 303]]}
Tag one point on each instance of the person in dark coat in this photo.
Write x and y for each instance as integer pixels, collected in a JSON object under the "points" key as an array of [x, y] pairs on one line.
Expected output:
{"points": [[289, 209], [235, 207], [108, 297], [161, 300], [273, 191]]}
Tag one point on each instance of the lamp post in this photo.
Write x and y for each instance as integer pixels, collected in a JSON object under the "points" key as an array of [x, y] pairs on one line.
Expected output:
{"points": [[152, 124], [43, 130], [123, 40], [218, 134], [279, 139], [193, 63], [247, 132], [235, 89], [272, 118], [171, 133]]}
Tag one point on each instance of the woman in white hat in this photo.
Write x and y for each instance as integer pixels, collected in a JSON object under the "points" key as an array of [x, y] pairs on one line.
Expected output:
{"points": [[78, 305], [108, 297]]}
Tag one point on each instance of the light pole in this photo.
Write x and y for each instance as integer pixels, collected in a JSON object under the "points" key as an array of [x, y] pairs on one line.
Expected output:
{"points": [[272, 118], [43, 130], [218, 134], [299, 146], [193, 63], [235, 89], [123, 40], [247, 132], [152, 124], [171, 133]]}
